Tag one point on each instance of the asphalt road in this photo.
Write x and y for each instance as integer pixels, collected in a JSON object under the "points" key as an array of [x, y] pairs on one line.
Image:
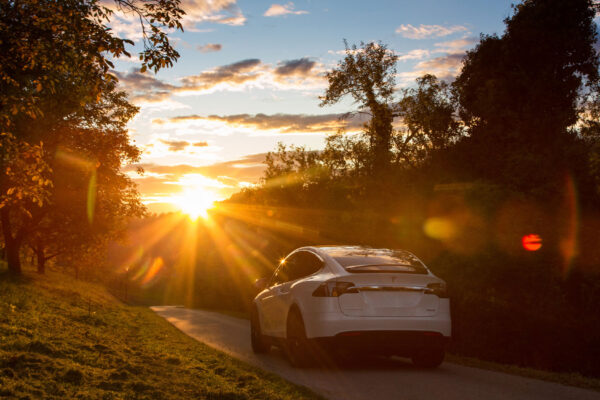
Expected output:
{"points": [[377, 379]]}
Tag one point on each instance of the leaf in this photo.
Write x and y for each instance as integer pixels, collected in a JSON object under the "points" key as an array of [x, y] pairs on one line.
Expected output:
{"points": [[143, 68]]}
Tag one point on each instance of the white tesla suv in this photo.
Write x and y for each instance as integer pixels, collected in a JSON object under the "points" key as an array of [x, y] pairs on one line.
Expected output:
{"points": [[354, 299]]}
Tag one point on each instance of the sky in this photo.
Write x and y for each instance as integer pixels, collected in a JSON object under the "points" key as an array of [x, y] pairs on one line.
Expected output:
{"points": [[250, 74]]}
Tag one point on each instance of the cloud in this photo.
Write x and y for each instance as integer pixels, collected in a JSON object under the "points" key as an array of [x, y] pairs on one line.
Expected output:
{"points": [[277, 10], [197, 12], [135, 80], [225, 12], [230, 74], [445, 67], [126, 26], [281, 123], [161, 145], [300, 74], [301, 66], [210, 47], [428, 31], [416, 54], [449, 62], [454, 46], [143, 87], [175, 145]]}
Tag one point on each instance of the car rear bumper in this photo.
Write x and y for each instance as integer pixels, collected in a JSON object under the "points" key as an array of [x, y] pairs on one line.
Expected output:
{"points": [[332, 324], [402, 343]]}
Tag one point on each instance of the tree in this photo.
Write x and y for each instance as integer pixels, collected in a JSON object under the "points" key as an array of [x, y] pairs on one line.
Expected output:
{"points": [[429, 123], [367, 74], [55, 77], [347, 158], [292, 175], [589, 131], [519, 93], [91, 197], [27, 182], [44, 41]]}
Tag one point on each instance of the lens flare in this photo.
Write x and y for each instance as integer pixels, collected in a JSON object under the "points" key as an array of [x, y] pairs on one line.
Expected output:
{"points": [[440, 228], [91, 197], [155, 267], [532, 242], [568, 244]]}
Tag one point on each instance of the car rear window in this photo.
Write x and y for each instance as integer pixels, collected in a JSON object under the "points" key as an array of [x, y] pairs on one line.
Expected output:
{"points": [[377, 260]]}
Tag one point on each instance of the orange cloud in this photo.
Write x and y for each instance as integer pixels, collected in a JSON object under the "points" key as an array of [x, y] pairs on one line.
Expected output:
{"points": [[277, 10], [283, 123], [225, 12]]}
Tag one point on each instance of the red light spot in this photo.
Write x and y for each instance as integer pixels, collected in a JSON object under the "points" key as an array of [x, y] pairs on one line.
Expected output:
{"points": [[532, 242]]}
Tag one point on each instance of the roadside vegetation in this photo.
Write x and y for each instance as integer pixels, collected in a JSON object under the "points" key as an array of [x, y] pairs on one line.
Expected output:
{"points": [[570, 379], [492, 179], [63, 338]]}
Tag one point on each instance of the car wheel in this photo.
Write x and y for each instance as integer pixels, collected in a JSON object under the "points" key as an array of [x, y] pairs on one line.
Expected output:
{"points": [[297, 346], [257, 339], [428, 357]]}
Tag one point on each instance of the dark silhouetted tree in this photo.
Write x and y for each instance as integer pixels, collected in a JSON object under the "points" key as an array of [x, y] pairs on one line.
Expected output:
{"points": [[519, 92], [429, 123], [367, 74]]}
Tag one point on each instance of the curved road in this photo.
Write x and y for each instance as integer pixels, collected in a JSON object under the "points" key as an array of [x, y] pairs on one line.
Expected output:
{"points": [[381, 379]]}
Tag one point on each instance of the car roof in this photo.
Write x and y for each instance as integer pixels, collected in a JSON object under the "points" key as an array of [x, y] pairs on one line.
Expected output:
{"points": [[330, 251], [340, 249]]}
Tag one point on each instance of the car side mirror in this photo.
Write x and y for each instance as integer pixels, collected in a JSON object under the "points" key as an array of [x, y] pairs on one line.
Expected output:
{"points": [[261, 284]]}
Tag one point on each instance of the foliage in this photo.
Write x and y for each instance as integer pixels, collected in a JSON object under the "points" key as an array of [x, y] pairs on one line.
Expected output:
{"points": [[429, 121], [367, 74], [26, 186], [92, 199], [347, 157], [520, 92], [44, 41], [27, 174], [60, 99]]}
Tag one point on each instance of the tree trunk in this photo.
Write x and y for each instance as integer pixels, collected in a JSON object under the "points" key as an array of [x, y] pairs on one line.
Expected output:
{"points": [[12, 244], [41, 259], [13, 258]]}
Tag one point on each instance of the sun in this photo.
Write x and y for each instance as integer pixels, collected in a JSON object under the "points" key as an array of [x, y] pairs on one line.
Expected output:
{"points": [[196, 198]]}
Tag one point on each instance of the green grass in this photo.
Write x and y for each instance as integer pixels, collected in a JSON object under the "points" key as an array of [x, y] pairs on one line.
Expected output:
{"points": [[61, 338]]}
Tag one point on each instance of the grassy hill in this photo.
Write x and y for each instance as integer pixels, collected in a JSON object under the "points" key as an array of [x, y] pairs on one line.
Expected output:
{"points": [[62, 338]]}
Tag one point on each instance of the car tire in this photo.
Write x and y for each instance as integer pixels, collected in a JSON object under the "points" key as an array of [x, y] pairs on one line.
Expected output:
{"points": [[297, 345], [257, 339], [428, 357]]}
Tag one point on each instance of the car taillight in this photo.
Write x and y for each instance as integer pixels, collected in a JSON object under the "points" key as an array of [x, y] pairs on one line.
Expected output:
{"points": [[334, 289], [439, 289]]}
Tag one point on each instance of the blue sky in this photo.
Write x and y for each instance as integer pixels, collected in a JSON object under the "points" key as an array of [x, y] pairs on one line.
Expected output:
{"points": [[250, 74]]}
